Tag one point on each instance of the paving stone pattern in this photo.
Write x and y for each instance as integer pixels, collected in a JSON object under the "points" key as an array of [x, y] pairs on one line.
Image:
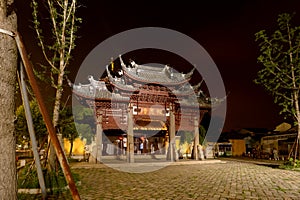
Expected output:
{"points": [[223, 180]]}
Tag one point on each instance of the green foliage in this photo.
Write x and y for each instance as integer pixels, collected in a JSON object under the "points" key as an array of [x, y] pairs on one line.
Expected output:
{"points": [[63, 26], [84, 121], [279, 54], [27, 178], [55, 182], [186, 137], [83, 114], [66, 124], [85, 131], [291, 164], [202, 134], [22, 134]]}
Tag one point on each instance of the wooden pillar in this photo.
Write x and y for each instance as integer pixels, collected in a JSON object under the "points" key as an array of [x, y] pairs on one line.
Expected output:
{"points": [[196, 139], [99, 131], [130, 138], [171, 150]]}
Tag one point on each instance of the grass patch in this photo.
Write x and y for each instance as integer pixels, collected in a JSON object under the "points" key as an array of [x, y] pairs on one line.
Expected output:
{"points": [[55, 182], [291, 165]]}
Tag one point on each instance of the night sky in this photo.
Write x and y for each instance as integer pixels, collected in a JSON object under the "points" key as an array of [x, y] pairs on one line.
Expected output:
{"points": [[224, 28]]}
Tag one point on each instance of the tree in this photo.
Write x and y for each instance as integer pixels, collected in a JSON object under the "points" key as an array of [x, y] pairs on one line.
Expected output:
{"points": [[8, 67], [85, 132], [280, 75], [67, 126], [202, 134], [57, 51], [84, 120], [22, 134]]}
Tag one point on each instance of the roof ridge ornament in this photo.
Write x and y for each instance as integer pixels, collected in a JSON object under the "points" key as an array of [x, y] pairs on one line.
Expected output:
{"points": [[189, 74], [196, 87], [121, 61]]}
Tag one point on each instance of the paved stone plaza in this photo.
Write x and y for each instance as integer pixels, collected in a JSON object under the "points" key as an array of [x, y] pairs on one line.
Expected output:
{"points": [[189, 180]]}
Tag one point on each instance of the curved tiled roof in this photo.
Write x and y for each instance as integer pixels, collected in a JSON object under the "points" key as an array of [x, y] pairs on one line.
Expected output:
{"points": [[156, 81], [92, 91], [158, 75]]}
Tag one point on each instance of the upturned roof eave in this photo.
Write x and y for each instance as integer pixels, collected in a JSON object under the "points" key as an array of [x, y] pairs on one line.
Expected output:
{"points": [[92, 97]]}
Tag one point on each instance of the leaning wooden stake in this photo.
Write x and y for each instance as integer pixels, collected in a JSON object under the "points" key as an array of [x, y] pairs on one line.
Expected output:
{"points": [[52, 133]]}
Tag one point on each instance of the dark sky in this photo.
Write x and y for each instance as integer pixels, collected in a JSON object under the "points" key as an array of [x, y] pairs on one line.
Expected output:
{"points": [[224, 28]]}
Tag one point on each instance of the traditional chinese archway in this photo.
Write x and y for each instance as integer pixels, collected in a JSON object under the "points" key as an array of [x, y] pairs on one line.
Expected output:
{"points": [[144, 99]]}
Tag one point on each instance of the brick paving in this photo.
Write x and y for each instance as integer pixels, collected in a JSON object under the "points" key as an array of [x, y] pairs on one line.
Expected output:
{"points": [[189, 180]]}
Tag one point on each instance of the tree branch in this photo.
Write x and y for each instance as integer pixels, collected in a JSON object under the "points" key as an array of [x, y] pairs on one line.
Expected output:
{"points": [[37, 30], [53, 19], [278, 68], [70, 11], [71, 45]]}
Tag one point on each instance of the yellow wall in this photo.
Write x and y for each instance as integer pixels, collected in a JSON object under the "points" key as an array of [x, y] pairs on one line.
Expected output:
{"points": [[78, 146], [238, 147]]}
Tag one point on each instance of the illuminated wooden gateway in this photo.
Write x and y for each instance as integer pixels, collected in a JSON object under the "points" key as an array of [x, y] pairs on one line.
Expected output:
{"points": [[144, 102]]}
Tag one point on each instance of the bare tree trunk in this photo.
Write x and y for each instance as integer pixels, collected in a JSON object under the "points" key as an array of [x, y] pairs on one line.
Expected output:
{"points": [[296, 96], [297, 146], [59, 91], [58, 97], [8, 66], [298, 134]]}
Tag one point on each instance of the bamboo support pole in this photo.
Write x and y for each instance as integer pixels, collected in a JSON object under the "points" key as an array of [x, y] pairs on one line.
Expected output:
{"points": [[31, 132]]}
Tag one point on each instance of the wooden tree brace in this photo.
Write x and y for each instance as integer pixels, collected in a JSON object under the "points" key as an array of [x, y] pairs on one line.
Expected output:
{"points": [[51, 130]]}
